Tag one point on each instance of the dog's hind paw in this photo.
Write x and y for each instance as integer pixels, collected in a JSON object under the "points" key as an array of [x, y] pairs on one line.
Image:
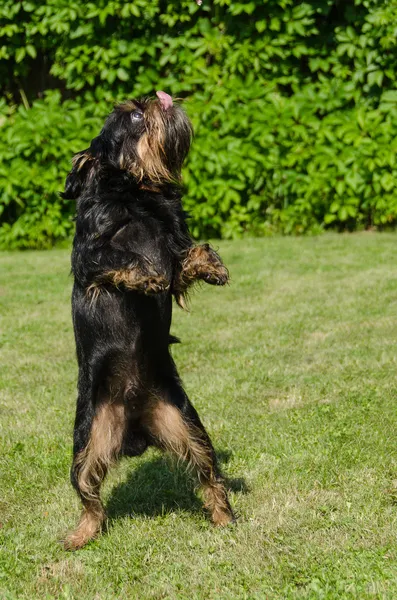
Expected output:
{"points": [[223, 518], [88, 528]]}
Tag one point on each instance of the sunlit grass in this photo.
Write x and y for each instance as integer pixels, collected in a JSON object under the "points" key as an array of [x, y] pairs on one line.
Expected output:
{"points": [[293, 370]]}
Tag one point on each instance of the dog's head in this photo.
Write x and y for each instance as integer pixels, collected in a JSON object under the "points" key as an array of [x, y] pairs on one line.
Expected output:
{"points": [[149, 139]]}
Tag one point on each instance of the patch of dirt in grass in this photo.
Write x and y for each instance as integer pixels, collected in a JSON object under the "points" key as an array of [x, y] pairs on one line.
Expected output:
{"points": [[61, 569], [291, 400], [318, 336], [52, 576]]}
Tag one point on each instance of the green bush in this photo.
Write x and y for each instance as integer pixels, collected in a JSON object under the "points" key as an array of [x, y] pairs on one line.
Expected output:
{"points": [[294, 107]]}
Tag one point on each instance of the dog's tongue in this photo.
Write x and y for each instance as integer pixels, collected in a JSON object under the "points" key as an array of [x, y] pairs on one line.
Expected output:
{"points": [[165, 99]]}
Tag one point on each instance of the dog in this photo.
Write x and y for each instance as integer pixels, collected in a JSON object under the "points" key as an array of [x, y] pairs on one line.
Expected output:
{"points": [[132, 252]]}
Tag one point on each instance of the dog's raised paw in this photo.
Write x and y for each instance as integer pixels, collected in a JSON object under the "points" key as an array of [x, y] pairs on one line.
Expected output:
{"points": [[155, 285], [217, 275]]}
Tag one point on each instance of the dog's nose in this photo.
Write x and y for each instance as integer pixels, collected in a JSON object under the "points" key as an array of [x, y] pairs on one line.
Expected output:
{"points": [[165, 99]]}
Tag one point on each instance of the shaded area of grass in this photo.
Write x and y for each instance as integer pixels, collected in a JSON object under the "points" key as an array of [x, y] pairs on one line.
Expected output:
{"points": [[293, 370]]}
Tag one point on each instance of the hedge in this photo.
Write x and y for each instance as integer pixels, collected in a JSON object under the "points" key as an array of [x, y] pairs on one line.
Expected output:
{"points": [[294, 107]]}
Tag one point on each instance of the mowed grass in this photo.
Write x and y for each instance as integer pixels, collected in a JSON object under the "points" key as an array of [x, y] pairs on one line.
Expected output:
{"points": [[293, 371]]}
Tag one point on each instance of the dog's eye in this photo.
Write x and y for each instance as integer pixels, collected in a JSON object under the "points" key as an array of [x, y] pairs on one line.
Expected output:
{"points": [[136, 115]]}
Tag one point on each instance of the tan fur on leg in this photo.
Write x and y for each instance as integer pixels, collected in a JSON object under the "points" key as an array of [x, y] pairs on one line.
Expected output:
{"points": [[88, 528], [217, 504], [166, 424], [134, 279], [102, 448], [92, 465]]}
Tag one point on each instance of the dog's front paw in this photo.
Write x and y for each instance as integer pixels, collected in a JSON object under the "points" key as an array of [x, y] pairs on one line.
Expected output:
{"points": [[202, 262], [212, 270], [216, 275], [146, 280], [155, 284]]}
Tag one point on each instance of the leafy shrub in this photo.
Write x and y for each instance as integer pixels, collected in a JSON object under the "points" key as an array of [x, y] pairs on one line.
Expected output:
{"points": [[35, 149], [294, 107]]}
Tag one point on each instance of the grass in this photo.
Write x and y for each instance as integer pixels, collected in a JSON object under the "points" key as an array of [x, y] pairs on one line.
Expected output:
{"points": [[293, 370]]}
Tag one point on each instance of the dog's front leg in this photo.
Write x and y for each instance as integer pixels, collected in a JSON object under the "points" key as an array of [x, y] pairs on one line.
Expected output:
{"points": [[201, 263], [95, 267], [140, 276]]}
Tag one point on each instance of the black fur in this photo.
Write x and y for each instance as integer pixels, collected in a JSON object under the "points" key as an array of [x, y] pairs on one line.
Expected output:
{"points": [[129, 221]]}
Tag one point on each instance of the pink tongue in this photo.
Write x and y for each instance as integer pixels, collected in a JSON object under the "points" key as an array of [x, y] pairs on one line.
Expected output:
{"points": [[165, 100]]}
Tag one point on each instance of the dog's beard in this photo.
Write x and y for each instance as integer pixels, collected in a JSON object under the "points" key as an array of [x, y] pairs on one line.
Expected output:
{"points": [[163, 146], [152, 159]]}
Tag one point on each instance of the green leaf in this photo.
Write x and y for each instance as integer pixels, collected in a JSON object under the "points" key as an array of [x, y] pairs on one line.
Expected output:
{"points": [[387, 182], [122, 74], [375, 78], [20, 54], [31, 50], [389, 96]]}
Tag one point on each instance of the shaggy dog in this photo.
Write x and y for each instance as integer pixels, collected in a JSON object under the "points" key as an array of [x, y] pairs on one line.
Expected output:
{"points": [[132, 252]]}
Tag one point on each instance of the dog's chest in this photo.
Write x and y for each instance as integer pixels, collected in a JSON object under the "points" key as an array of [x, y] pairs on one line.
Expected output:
{"points": [[148, 236]]}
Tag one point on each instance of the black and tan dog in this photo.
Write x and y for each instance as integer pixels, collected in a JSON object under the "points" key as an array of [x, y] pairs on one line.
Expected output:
{"points": [[132, 251]]}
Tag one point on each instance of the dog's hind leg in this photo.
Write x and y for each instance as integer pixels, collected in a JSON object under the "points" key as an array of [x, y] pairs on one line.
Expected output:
{"points": [[97, 442], [176, 427]]}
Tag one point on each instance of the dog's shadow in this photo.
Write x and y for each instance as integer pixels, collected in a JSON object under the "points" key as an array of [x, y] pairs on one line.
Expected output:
{"points": [[158, 487]]}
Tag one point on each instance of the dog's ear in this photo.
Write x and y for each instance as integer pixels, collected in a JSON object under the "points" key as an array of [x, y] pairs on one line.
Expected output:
{"points": [[77, 177]]}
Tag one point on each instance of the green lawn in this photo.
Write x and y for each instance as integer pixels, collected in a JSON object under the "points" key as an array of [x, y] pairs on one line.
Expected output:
{"points": [[293, 371]]}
